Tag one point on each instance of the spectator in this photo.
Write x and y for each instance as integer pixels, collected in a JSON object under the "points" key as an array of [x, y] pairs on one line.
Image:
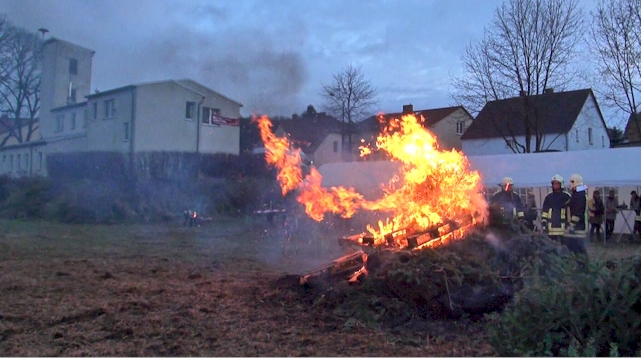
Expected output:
{"points": [[635, 204], [529, 210], [597, 209], [611, 205]]}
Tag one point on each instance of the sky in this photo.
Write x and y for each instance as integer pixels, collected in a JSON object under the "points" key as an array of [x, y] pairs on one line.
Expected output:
{"points": [[272, 56]]}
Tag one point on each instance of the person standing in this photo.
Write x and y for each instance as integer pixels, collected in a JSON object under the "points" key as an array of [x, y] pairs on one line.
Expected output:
{"points": [[597, 209], [635, 205], [611, 205], [578, 211], [554, 210], [530, 210], [507, 205]]}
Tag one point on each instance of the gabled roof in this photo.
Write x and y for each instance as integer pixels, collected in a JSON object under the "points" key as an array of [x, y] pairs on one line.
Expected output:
{"points": [[554, 113], [309, 133], [431, 116], [631, 132]]}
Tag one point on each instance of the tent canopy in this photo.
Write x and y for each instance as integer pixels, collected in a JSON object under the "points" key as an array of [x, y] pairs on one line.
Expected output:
{"points": [[600, 167]]}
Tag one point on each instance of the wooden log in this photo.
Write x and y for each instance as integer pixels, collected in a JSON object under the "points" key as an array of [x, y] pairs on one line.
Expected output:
{"points": [[343, 265]]}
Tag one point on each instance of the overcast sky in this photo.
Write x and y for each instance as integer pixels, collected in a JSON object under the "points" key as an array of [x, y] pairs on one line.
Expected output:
{"points": [[272, 56]]}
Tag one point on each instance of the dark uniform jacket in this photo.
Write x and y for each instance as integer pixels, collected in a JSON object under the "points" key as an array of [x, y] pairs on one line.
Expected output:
{"points": [[554, 212], [579, 214], [508, 204]]}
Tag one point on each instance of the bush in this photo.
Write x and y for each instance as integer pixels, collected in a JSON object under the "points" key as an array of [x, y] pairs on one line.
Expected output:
{"points": [[27, 198], [590, 311]]}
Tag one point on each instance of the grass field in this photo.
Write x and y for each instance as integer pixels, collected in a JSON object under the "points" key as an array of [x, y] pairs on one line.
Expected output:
{"points": [[223, 289]]}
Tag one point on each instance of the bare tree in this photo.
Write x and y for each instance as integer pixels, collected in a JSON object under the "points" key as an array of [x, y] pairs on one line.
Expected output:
{"points": [[350, 97], [20, 60], [616, 36], [529, 46]]}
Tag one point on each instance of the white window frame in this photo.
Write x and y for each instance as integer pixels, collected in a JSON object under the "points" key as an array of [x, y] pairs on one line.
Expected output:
{"points": [[460, 127], [190, 110], [110, 108]]}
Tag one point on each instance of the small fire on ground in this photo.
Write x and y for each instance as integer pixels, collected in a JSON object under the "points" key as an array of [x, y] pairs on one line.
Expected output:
{"points": [[433, 198]]}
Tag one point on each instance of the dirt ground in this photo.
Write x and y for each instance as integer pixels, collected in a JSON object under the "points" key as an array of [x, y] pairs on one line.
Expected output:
{"points": [[223, 289]]}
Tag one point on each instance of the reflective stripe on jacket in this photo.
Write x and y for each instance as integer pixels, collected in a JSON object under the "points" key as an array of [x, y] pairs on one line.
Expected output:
{"points": [[553, 212]]}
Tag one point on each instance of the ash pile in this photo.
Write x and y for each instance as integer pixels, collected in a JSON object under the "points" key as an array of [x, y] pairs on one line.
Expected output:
{"points": [[454, 269]]}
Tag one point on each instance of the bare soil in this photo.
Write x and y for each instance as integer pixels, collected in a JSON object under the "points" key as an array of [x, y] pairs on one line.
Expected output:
{"points": [[225, 289]]}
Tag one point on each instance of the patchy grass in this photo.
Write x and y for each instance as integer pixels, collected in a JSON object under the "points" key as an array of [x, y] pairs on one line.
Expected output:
{"points": [[216, 290]]}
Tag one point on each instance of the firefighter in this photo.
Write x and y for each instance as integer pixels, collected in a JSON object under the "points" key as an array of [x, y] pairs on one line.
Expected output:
{"points": [[506, 204], [578, 214], [553, 210]]}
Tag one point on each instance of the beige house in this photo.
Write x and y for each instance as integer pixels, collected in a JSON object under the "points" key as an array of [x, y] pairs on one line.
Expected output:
{"points": [[447, 124], [170, 116], [318, 137]]}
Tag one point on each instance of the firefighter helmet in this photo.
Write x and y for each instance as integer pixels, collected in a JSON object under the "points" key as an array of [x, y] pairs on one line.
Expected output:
{"points": [[507, 180], [576, 180], [557, 178]]}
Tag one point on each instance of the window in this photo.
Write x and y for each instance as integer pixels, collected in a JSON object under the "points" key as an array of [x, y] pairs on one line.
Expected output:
{"points": [[590, 136], [190, 109], [603, 141], [18, 161], [85, 118], [73, 120], [125, 127], [73, 66], [576, 134], [95, 110], [40, 160], [335, 146], [11, 162], [206, 116], [110, 108], [72, 96], [60, 123], [460, 127]]}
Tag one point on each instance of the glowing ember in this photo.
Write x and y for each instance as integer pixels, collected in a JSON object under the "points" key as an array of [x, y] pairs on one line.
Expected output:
{"points": [[431, 186]]}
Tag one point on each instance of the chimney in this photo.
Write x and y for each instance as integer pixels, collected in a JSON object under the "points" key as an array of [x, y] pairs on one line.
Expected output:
{"points": [[522, 93], [408, 108], [548, 90]]}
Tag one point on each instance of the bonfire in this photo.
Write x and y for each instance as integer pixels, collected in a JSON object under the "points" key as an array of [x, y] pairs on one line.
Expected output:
{"points": [[433, 201]]}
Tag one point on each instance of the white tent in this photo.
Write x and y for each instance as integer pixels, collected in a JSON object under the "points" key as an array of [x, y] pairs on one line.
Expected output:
{"points": [[619, 168], [607, 167]]}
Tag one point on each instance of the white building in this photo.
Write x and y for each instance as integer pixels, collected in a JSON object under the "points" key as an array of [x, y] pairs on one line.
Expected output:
{"points": [[564, 121], [169, 116]]}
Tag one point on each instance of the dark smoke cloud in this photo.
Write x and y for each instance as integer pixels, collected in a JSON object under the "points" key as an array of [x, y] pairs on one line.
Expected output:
{"points": [[147, 40]]}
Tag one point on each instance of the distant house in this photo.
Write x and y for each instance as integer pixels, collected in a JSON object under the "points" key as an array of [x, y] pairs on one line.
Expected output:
{"points": [[632, 132], [566, 121], [447, 124], [319, 137]]}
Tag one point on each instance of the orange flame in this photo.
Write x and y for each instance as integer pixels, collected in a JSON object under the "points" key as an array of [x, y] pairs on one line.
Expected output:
{"points": [[431, 186]]}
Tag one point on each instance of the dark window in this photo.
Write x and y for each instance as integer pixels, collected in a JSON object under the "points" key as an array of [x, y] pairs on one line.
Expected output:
{"points": [[60, 123], [125, 127], [590, 136], [85, 118], [206, 116], [190, 109], [460, 127], [73, 120], [73, 66], [72, 97], [95, 110]]}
